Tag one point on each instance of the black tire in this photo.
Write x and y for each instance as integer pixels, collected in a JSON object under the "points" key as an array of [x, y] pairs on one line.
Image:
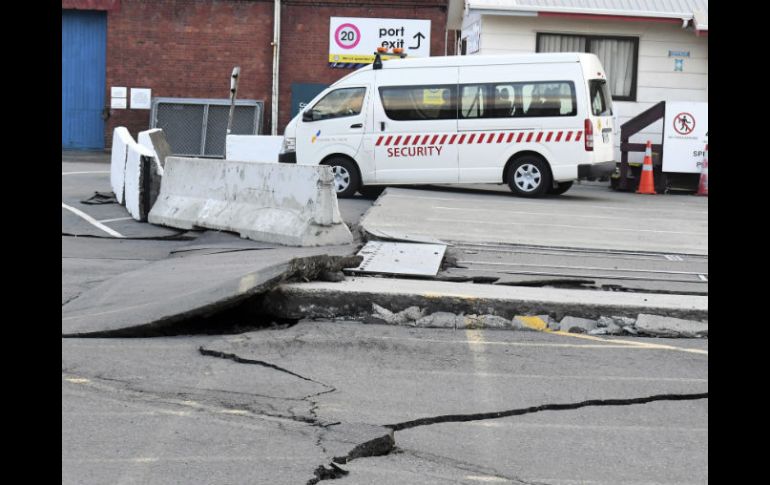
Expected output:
{"points": [[371, 191], [560, 188], [346, 178], [529, 176]]}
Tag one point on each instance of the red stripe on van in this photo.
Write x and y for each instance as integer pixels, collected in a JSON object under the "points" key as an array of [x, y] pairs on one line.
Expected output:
{"points": [[521, 135], [461, 140], [379, 140], [481, 138], [443, 139], [549, 136], [470, 138], [416, 139], [398, 139], [510, 137], [387, 142], [425, 139], [490, 138], [558, 135], [433, 140], [500, 138], [577, 135], [529, 137], [539, 136], [452, 140], [569, 135], [406, 140]]}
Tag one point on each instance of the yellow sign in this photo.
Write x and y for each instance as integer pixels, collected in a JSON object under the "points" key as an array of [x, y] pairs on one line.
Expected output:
{"points": [[434, 97]]}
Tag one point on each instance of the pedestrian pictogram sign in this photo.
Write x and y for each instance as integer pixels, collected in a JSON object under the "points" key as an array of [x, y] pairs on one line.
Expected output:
{"points": [[353, 41], [684, 123]]}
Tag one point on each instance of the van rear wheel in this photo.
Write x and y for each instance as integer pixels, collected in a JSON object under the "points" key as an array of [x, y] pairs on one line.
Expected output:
{"points": [[346, 179], [529, 177], [561, 187]]}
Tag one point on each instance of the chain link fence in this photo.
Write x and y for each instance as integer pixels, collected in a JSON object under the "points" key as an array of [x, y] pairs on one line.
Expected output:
{"points": [[197, 127]]}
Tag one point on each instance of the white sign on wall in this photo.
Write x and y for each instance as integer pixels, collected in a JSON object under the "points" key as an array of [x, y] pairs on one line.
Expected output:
{"points": [[141, 98], [353, 41], [118, 97], [687, 124]]}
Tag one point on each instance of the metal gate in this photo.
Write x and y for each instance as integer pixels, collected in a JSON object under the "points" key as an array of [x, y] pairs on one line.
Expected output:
{"points": [[83, 71], [197, 127]]}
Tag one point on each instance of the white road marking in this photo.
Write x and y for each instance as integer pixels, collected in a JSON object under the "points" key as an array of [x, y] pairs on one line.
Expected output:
{"points": [[80, 173], [117, 219], [92, 221]]}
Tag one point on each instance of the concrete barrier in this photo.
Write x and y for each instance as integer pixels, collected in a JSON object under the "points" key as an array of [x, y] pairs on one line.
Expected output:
{"points": [[253, 148], [294, 205], [140, 163], [155, 141], [121, 138]]}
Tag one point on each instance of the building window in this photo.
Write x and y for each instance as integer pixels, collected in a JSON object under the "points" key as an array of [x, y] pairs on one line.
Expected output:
{"points": [[618, 55], [412, 103]]}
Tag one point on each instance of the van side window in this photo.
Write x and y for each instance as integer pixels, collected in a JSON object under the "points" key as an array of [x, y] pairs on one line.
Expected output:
{"points": [[472, 101], [544, 99], [516, 100], [601, 103], [339, 103], [412, 103]]}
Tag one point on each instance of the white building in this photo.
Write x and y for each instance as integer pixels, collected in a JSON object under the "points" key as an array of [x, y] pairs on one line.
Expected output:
{"points": [[652, 50]]}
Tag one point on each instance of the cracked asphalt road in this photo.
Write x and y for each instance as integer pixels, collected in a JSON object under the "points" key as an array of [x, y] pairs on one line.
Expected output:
{"points": [[162, 411], [271, 406]]}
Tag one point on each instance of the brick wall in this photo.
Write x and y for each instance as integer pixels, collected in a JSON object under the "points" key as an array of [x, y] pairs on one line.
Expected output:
{"points": [[305, 40], [187, 48]]}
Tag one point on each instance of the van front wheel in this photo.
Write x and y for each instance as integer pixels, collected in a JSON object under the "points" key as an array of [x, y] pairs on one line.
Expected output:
{"points": [[529, 177], [346, 179]]}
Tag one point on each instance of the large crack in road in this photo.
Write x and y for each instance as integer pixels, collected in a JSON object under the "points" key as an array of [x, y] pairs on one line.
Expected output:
{"points": [[385, 443]]}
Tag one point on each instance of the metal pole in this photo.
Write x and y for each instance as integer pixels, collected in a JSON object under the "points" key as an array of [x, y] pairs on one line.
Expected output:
{"points": [[233, 93], [276, 58]]}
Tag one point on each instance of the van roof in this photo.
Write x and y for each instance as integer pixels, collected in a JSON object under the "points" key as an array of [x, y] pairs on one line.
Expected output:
{"points": [[482, 60]]}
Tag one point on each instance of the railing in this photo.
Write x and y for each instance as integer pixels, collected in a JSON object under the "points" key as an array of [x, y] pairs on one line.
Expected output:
{"points": [[632, 127]]}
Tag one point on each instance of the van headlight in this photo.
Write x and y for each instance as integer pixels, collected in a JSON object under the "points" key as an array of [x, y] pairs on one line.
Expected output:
{"points": [[289, 145]]}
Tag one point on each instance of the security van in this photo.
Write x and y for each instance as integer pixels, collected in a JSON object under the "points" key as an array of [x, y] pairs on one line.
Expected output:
{"points": [[536, 122]]}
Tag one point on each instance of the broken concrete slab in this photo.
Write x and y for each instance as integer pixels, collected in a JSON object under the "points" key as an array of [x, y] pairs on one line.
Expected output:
{"points": [[660, 326], [441, 320], [166, 292], [490, 217], [486, 321], [355, 296], [577, 325]]}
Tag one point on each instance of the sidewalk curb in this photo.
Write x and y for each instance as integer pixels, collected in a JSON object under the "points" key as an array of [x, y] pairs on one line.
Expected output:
{"points": [[354, 297]]}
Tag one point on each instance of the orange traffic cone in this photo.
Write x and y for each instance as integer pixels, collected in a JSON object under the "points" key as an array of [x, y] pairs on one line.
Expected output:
{"points": [[646, 184], [703, 186]]}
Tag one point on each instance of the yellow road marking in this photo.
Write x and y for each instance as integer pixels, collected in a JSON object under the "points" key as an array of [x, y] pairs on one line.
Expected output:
{"points": [[76, 381], [629, 343]]}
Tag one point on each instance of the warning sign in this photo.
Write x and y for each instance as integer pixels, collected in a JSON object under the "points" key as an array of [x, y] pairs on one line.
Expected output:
{"points": [[353, 41], [684, 137]]}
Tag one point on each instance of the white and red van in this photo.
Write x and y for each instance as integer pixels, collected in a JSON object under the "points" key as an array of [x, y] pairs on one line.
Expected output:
{"points": [[536, 122]]}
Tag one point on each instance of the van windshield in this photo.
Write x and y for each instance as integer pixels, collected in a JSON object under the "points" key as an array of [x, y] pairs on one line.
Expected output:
{"points": [[601, 101]]}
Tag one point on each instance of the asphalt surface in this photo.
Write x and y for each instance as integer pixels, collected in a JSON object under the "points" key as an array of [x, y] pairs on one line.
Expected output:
{"points": [[158, 411], [270, 406]]}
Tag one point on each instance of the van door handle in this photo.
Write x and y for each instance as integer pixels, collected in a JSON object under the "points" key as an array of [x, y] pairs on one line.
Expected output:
{"points": [[382, 126], [357, 125]]}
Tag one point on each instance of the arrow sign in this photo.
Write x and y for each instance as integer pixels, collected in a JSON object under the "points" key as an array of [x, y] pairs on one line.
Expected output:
{"points": [[417, 36]]}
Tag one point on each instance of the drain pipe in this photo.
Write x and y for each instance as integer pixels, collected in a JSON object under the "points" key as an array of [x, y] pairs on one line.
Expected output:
{"points": [[276, 57]]}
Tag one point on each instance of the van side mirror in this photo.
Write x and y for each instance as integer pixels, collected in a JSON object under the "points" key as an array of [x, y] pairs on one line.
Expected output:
{"points": [[307, 115]]}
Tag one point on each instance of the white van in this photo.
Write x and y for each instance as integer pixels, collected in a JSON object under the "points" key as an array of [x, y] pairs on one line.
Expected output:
{"points": [[536, 122]]}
